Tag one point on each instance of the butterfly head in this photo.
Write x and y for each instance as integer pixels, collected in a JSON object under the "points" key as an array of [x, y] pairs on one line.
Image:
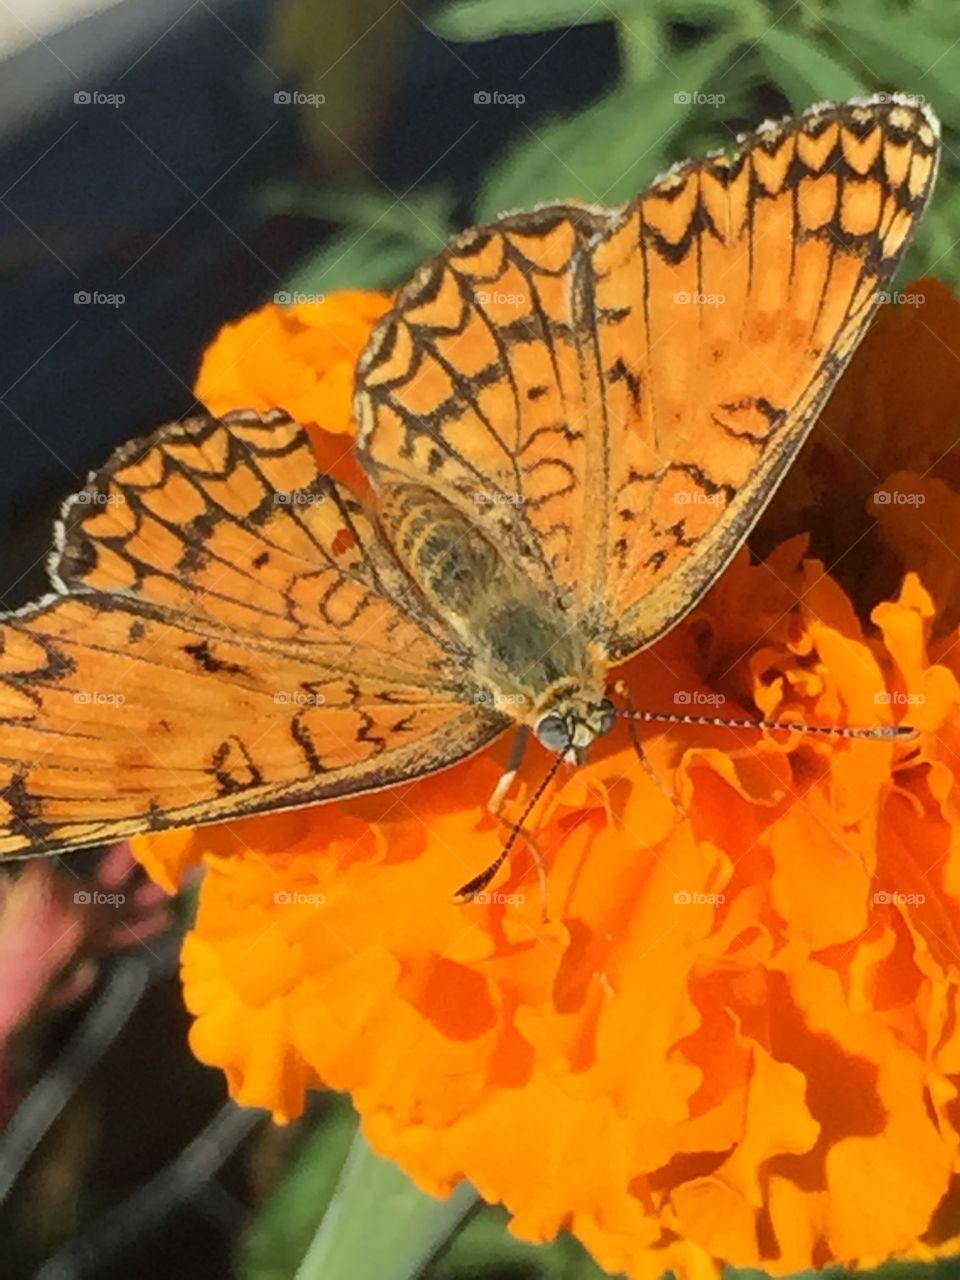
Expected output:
{"points": [[571, 720]]}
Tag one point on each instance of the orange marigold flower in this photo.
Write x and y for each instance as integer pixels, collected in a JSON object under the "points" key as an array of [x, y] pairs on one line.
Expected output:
{"points": [[737, 1035]]}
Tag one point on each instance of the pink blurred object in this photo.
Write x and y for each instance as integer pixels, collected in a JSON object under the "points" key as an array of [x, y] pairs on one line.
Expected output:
{"points": [[54, 928]]}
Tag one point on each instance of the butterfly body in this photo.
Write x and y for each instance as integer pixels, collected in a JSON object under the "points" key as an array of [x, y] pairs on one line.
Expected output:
{"points": [[571, 419], [526, 654]]}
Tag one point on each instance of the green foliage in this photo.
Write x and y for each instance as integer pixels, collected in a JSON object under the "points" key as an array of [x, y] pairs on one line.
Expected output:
{"points": [[692, 72], [382, 238], [284, 1227], [732, 59], [484, 19]]}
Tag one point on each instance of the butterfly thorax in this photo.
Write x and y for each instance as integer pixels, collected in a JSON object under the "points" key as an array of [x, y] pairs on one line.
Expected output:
{"points": [[527, 657]]}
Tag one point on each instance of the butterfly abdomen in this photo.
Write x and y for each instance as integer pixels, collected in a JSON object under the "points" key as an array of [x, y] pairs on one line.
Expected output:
{"points": [[522, 644]]}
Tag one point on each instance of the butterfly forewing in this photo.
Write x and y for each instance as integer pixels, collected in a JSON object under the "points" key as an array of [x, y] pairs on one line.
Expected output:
{"points": [[483, 385], [733, 294], [220, 652], [617, 396]]}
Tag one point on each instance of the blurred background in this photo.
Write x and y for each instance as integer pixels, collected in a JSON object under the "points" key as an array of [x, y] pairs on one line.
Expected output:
{"points": [[165, 166]]}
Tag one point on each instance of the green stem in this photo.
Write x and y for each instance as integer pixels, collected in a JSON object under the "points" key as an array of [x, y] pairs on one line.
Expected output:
{"points": [[379, 1226]]}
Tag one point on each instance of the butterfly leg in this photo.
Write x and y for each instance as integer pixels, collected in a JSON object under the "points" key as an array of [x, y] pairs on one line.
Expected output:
{"points": [[495, 803], [621, 689], [469, 891]]}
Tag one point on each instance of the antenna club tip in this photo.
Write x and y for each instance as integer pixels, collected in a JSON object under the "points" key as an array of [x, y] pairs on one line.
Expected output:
{"points": [[899, 732]]}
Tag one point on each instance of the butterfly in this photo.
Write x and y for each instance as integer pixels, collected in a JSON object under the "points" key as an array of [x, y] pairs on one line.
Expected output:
{"points": [[570, 418]]}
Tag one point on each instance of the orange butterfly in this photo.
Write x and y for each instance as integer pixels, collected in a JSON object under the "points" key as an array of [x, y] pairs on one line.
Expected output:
{"points": [[571, 419]]}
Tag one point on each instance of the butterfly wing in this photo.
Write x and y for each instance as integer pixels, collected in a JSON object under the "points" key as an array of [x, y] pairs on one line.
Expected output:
{"points": [[479, 384], [727, 301], [616, 396], [231, 635]]}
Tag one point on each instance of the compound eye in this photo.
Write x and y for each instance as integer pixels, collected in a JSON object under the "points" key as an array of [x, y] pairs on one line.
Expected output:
{"points": [[608, 716], [553, 733]]}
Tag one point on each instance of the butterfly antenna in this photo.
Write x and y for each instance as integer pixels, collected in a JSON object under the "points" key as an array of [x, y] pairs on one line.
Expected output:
{"points": [[873, 733], [467, 892]]}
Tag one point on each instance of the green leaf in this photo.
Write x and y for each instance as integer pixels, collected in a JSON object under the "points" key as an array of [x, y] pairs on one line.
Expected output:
{"points": [[805, 71], [608, 152], [487, 19], [384, 242], [901, 55], [287, 1223], [485, 1248], [744, 15], [379, 1225]]}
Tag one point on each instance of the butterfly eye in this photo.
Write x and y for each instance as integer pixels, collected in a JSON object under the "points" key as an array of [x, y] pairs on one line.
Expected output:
{"points": [[553, 733]]}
